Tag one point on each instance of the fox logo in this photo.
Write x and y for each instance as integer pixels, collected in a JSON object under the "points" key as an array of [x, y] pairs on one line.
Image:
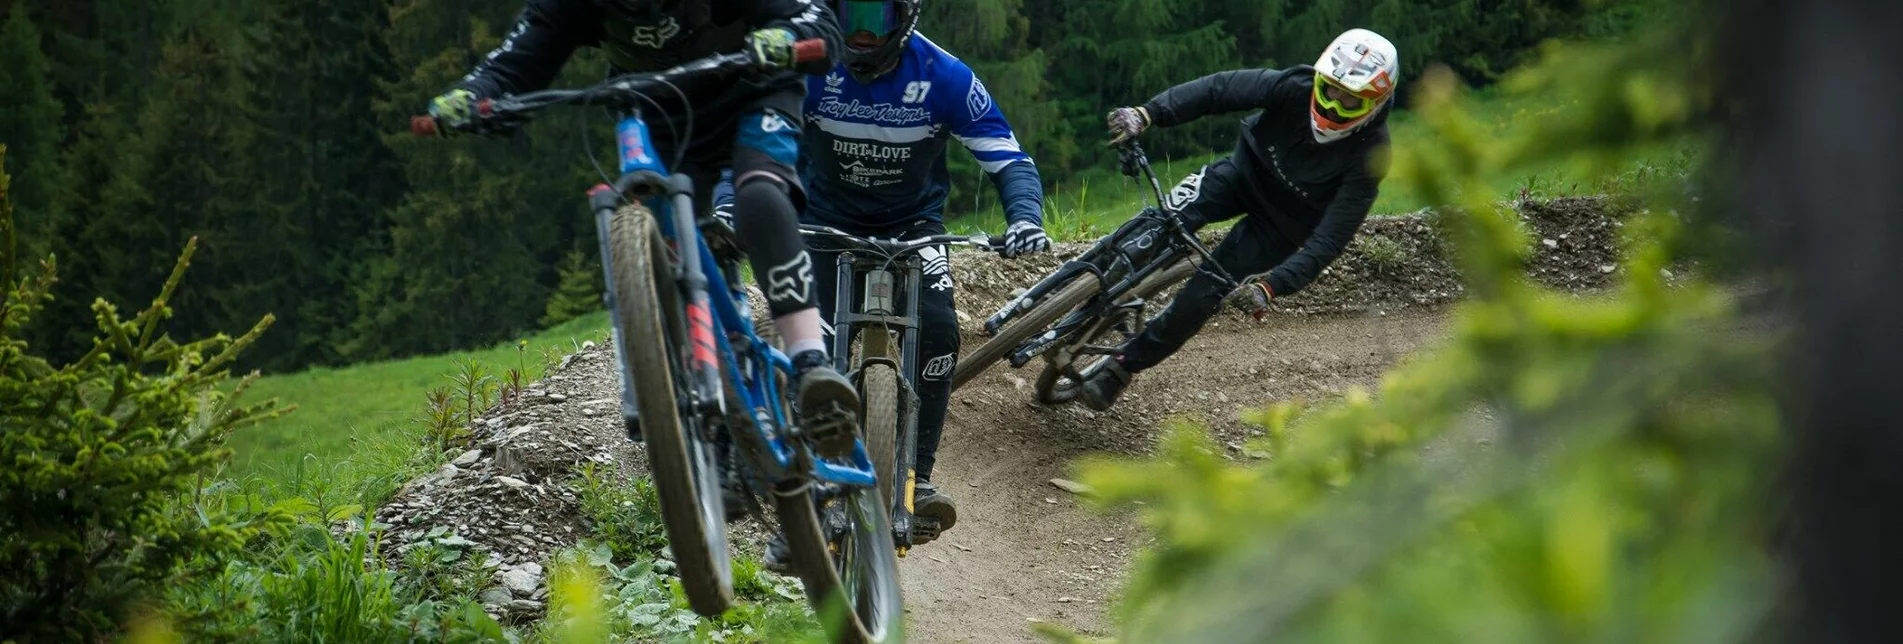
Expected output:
{"points": [[656, 36], [792, 281]]}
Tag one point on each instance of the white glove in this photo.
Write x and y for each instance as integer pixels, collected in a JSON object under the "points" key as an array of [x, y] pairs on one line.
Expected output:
{"points": [[1024, 238]]}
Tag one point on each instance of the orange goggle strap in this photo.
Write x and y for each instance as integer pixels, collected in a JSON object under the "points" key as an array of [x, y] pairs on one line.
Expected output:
{"points": [[1370, 98]]}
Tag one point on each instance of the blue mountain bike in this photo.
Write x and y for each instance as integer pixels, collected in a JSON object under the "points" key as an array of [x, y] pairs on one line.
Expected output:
{"points": [[704, 392]]}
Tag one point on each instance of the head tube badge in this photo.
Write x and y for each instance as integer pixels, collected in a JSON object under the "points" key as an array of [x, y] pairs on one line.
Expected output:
{"points": [[637, 148]]}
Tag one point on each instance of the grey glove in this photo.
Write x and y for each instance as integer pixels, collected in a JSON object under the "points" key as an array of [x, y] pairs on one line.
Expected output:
{"points": [[1024, 238], [1126, 123]]}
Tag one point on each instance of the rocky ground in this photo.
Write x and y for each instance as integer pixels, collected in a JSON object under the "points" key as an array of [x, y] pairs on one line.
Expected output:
{"points": [[1025, 551]]}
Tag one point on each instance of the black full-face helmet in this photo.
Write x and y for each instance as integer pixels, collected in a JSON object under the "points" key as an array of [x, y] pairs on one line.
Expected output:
{"points": [[876, 33]]}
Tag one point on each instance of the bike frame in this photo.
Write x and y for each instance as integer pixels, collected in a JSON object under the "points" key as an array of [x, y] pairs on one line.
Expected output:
{"points": [[1113, 260], [720, 330]]}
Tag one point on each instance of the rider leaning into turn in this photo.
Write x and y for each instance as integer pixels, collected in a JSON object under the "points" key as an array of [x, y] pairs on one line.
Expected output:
{"points": [[1304, 174], [748, 123], [877, 129]]}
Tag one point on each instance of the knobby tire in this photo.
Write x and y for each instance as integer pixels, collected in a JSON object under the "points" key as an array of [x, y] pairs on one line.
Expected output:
{"points": [[645, 291]]}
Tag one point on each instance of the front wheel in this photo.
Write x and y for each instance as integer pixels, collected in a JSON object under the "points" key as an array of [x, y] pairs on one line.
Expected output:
{"points": [[685, 467], [844, 555], [1056, 386], [880, 384]]}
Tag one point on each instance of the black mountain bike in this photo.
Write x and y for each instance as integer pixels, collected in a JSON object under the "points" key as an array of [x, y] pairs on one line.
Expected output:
{"points": [[876, 303], [1096, 301], [705, 392]]}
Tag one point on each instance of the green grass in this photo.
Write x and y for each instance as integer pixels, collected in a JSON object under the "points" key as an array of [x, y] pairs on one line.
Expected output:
{"points": [[1093, 202], [339, 410]]}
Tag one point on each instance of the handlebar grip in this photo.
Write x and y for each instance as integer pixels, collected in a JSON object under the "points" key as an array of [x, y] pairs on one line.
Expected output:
{"points": [[809, 50], [422, 126]]}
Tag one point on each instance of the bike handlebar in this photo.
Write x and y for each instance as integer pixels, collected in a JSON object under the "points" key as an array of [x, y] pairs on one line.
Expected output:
{"points": [[895, 247], [621, 89]]}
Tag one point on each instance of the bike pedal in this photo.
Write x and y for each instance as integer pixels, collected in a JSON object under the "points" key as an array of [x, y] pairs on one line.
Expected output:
{"points": [[833, 429], [925, 530]]}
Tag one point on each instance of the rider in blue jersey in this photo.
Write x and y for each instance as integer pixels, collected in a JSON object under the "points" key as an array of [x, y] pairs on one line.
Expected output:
{"points": [[874, 164]]}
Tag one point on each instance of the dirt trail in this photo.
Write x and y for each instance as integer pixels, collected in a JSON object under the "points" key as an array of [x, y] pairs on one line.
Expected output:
{"points": [[1017, 557]]}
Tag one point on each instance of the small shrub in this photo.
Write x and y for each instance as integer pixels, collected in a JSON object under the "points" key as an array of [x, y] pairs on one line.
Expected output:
{"points": [[98, 453], [1385, 255], [626, 517]]}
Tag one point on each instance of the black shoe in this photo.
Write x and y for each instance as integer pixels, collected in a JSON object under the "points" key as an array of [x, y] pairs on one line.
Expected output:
{"points": [[778, 557], [1105, 385], [828, 405], [933, 512]]}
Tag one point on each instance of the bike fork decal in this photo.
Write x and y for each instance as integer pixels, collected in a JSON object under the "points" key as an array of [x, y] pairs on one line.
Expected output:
{"points": [[700, 330]]}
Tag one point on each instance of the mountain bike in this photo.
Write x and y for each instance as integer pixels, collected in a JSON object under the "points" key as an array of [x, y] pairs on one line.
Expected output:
{"points": [[877, 304], [704, 392], [1088, 307]]}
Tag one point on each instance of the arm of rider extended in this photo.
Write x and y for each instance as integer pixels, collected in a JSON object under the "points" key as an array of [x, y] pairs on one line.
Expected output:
{"points": [[1338, 226], [977, 122], [544, 35], [807, 19], [1218, 93]]}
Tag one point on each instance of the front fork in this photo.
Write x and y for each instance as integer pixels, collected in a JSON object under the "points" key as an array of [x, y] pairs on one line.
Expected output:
{"points": [[879, 344]]}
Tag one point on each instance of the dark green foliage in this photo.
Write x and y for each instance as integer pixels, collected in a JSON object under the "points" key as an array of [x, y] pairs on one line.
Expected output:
{"points": [[578, 293], [30, 124], [97, 452], [274, 130]]}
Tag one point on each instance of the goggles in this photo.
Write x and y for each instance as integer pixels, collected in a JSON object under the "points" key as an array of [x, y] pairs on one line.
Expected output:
{"points": [[867, 22], [1342, 104]]}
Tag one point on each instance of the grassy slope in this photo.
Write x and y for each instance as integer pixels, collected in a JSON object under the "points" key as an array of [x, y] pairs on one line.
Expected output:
{"points": [[374, 401]]}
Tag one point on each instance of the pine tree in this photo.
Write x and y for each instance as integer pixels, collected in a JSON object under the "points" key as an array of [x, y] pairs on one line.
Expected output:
{"points": [[579, 293], [31, 127]]}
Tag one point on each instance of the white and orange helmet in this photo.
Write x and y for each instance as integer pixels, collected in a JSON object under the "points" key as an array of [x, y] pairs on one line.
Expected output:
{"points": [[1354, 79]]}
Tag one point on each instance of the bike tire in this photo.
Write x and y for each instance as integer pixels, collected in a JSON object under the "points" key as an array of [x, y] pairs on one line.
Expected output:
{"points": [[1055, 389], [683, 467], [879, 383], [855, 590], [1041, 315]]}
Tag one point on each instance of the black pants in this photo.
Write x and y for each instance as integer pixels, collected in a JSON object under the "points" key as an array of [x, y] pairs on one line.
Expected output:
{"points": [[938, 328], [1217, 193]]}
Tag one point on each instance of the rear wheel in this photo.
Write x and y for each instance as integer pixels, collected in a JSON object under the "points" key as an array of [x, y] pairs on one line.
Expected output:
{"points": [[1030, 323], [685, 467], [880, 385], [844, 555], [1055, 385]]}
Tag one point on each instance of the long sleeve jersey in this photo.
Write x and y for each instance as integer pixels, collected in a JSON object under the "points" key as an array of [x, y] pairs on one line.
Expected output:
{"points": [[875, 152], [548, 31], [1316, 194]]}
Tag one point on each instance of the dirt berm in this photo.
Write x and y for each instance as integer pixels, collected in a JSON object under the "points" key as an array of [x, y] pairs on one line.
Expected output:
{"points": [[1024, 550]]}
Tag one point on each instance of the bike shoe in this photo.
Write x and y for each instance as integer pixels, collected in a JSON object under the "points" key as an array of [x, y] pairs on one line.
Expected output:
{"points": [[778, 557], [1105, 384], [933, 513], [828, 404]]}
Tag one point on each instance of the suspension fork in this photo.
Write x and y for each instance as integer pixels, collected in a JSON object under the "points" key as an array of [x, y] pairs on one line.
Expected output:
{"points": [[703, 355]]}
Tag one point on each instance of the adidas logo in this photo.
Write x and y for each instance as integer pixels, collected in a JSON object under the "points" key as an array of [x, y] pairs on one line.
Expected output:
{"points": [[834, 81]]}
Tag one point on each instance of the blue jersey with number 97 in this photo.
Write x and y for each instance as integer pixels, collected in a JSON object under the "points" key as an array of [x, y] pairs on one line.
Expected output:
{"points": [[875, 152]]}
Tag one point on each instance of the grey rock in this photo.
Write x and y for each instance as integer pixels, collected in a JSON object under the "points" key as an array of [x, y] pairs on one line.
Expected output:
{"points": [[495, 597], [512, 482], [520, 582], [467, 459], [524, 606]]}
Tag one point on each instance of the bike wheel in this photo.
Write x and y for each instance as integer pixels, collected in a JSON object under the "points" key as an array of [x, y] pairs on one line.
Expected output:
{"points": [[847, 562], [685, 467], [879, 384], [1030, 323], [1056, 388]]}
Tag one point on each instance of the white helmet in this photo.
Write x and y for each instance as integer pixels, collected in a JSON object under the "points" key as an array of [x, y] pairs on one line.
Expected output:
{"points": [[1354, 79]]}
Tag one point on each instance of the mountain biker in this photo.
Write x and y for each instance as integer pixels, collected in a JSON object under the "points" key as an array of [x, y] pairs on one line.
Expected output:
{"points": [[877, 129], [1305, 172], [746, 122]]}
